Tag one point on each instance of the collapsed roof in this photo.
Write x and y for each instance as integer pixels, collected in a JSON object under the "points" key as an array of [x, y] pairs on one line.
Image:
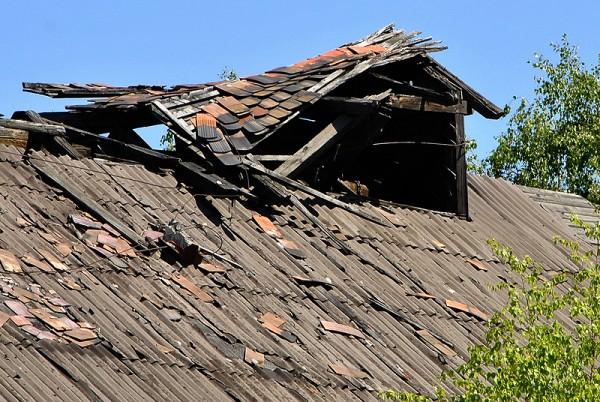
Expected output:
{"points": [[366, 112], [211, 273]]}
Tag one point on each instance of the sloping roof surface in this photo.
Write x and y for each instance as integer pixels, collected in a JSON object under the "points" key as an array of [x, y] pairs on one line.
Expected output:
{"points": [[275, 311]]}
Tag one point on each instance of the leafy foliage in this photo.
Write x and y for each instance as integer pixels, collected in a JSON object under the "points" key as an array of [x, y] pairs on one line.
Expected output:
{"points": [[529, 353], [474, 164], [554, 141]]}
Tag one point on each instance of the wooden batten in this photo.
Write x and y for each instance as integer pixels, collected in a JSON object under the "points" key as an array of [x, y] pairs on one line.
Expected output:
{"points": [[419, 103]]}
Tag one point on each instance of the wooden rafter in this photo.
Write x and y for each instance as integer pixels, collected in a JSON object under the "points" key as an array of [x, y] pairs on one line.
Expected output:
{"points": [[318, 145]]}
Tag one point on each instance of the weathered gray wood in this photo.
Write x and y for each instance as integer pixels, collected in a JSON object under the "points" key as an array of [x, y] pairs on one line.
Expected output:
{"points": [[418, 103], [462, 197], [349, 104], [315, 193], [58, 141], [35, 127], [271, 158], [165, 114], [85, 202], [317, 146]]}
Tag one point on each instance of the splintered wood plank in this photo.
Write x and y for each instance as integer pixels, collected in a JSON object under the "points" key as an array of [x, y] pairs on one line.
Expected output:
{"points": [[193, 288], [316, 146], [419, 103], [342, 329]]}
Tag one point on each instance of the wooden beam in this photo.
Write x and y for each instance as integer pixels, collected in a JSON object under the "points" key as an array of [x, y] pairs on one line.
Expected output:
{"points": [[166, 115], [416, 90], [462, 197], [317, 146], [58, 141], [85, 202], [35, 127], [418, 103], [315, 193], [349, 104], [271, 158]]}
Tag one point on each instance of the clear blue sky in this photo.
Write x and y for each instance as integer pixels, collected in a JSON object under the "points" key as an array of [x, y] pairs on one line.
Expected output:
{"points": [[129, 42]]}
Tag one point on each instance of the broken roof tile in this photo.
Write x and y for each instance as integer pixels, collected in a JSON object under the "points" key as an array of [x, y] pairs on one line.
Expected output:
{"points": [[272, 318], [20, 320], [192, 287], [206, 126], [250, 101], [55, 262], [477, 264], [81, 220], [233, 105], [254, 358], [258, 111], [239, 141], [34, 262], [49, 319], [280, 96], [220, 113], [426, 335], [349, 372], [268, 121], [279, 113], [268, 103], [291, 248], [342, 329], [233, 89], [19, 308], [4, 317], [211, 268], [290, 104], [267, 226], [252, 126], [9, 261]]}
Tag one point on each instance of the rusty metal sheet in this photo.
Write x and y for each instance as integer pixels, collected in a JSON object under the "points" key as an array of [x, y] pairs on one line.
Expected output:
{"points": [[342, 329], [49, 319], [9, 261], [55, 262], [254, 358], [233, 105], [478, 264], [20, 320], [192, 287], [34, 262], [208, 267], [18, 308], [267, 226], [206, 126], [349, 372]]}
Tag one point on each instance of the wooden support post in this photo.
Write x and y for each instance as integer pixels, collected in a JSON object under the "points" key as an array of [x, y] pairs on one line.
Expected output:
{"points": [[317, 146], [462, 198]]}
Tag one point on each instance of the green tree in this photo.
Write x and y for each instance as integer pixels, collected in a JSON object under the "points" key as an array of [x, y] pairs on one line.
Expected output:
{"points": [[553, 142], [529, 353]]}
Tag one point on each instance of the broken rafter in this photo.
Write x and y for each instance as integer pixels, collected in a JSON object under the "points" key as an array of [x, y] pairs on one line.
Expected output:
{"points": [[318, 145], [414, 89], [315, 193]]}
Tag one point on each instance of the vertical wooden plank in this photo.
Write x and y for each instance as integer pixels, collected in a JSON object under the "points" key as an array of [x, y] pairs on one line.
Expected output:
{"points": [[461, 168]]}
